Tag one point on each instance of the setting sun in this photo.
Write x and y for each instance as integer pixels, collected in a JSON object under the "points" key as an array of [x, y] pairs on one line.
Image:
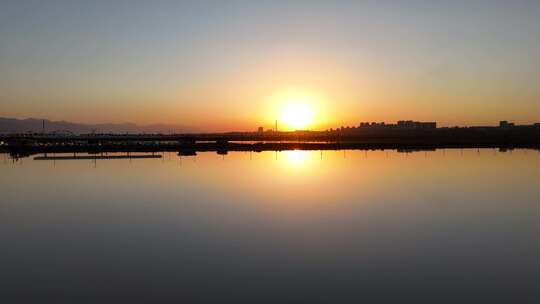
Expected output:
{"points": [[296, 115], [296, 108]]}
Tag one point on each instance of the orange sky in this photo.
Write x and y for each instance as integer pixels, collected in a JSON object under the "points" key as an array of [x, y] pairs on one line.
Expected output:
{"points": [[234, 66]]}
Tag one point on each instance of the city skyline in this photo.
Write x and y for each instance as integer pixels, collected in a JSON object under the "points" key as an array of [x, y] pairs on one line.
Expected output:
{"points": [[45, 126]]}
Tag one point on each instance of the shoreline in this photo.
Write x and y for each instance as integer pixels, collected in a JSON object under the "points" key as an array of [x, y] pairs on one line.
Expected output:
{"points": [[224, 148]]}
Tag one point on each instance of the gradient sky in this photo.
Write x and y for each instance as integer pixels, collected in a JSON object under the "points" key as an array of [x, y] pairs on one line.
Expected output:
{"points": [[222, 65]]}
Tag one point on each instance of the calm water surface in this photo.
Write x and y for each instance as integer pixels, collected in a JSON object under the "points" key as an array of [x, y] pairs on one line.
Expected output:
{"points": [[287, 227]]}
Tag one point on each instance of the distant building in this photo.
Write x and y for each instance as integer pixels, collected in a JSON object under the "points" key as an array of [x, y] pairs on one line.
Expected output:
{"points": [[373, 125], [260, 130], [410, 124], [402, 124], [405, 124], [503, 124]]}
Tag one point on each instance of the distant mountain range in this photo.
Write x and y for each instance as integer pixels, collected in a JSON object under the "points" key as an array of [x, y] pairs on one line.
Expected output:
{"points": [[12, 125]]}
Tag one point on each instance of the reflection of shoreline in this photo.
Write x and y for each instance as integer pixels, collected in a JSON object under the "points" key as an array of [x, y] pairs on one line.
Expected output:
{"points": [[224, 148], [96, 157]]}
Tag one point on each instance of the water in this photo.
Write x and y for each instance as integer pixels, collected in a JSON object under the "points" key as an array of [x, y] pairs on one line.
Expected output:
{"points": [[294, 226]]}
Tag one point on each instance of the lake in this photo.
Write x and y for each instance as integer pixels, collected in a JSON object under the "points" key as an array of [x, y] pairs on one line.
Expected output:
{"points": [[280, 227]]}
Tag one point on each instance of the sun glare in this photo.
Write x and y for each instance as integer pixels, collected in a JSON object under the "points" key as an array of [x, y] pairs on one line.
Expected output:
{"points": [[296, 115], [296, 109]]}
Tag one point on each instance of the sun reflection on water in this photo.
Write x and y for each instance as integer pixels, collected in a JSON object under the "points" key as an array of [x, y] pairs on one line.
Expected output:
{"points": [[296, 159]]}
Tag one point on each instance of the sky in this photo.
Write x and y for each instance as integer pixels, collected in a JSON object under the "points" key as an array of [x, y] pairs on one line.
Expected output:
{"points": [[235, 65]]}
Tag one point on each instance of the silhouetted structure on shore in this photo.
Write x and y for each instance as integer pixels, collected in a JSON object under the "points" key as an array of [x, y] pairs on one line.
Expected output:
{"points": [[402, 125], [402, 135]]}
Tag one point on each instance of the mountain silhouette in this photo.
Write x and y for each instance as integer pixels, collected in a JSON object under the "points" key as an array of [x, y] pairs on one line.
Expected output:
{"points": [[33, 125]]}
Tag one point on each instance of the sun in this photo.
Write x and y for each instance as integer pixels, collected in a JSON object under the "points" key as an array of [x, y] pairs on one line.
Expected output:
{"points": [[296, 115], [296, 108]]}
